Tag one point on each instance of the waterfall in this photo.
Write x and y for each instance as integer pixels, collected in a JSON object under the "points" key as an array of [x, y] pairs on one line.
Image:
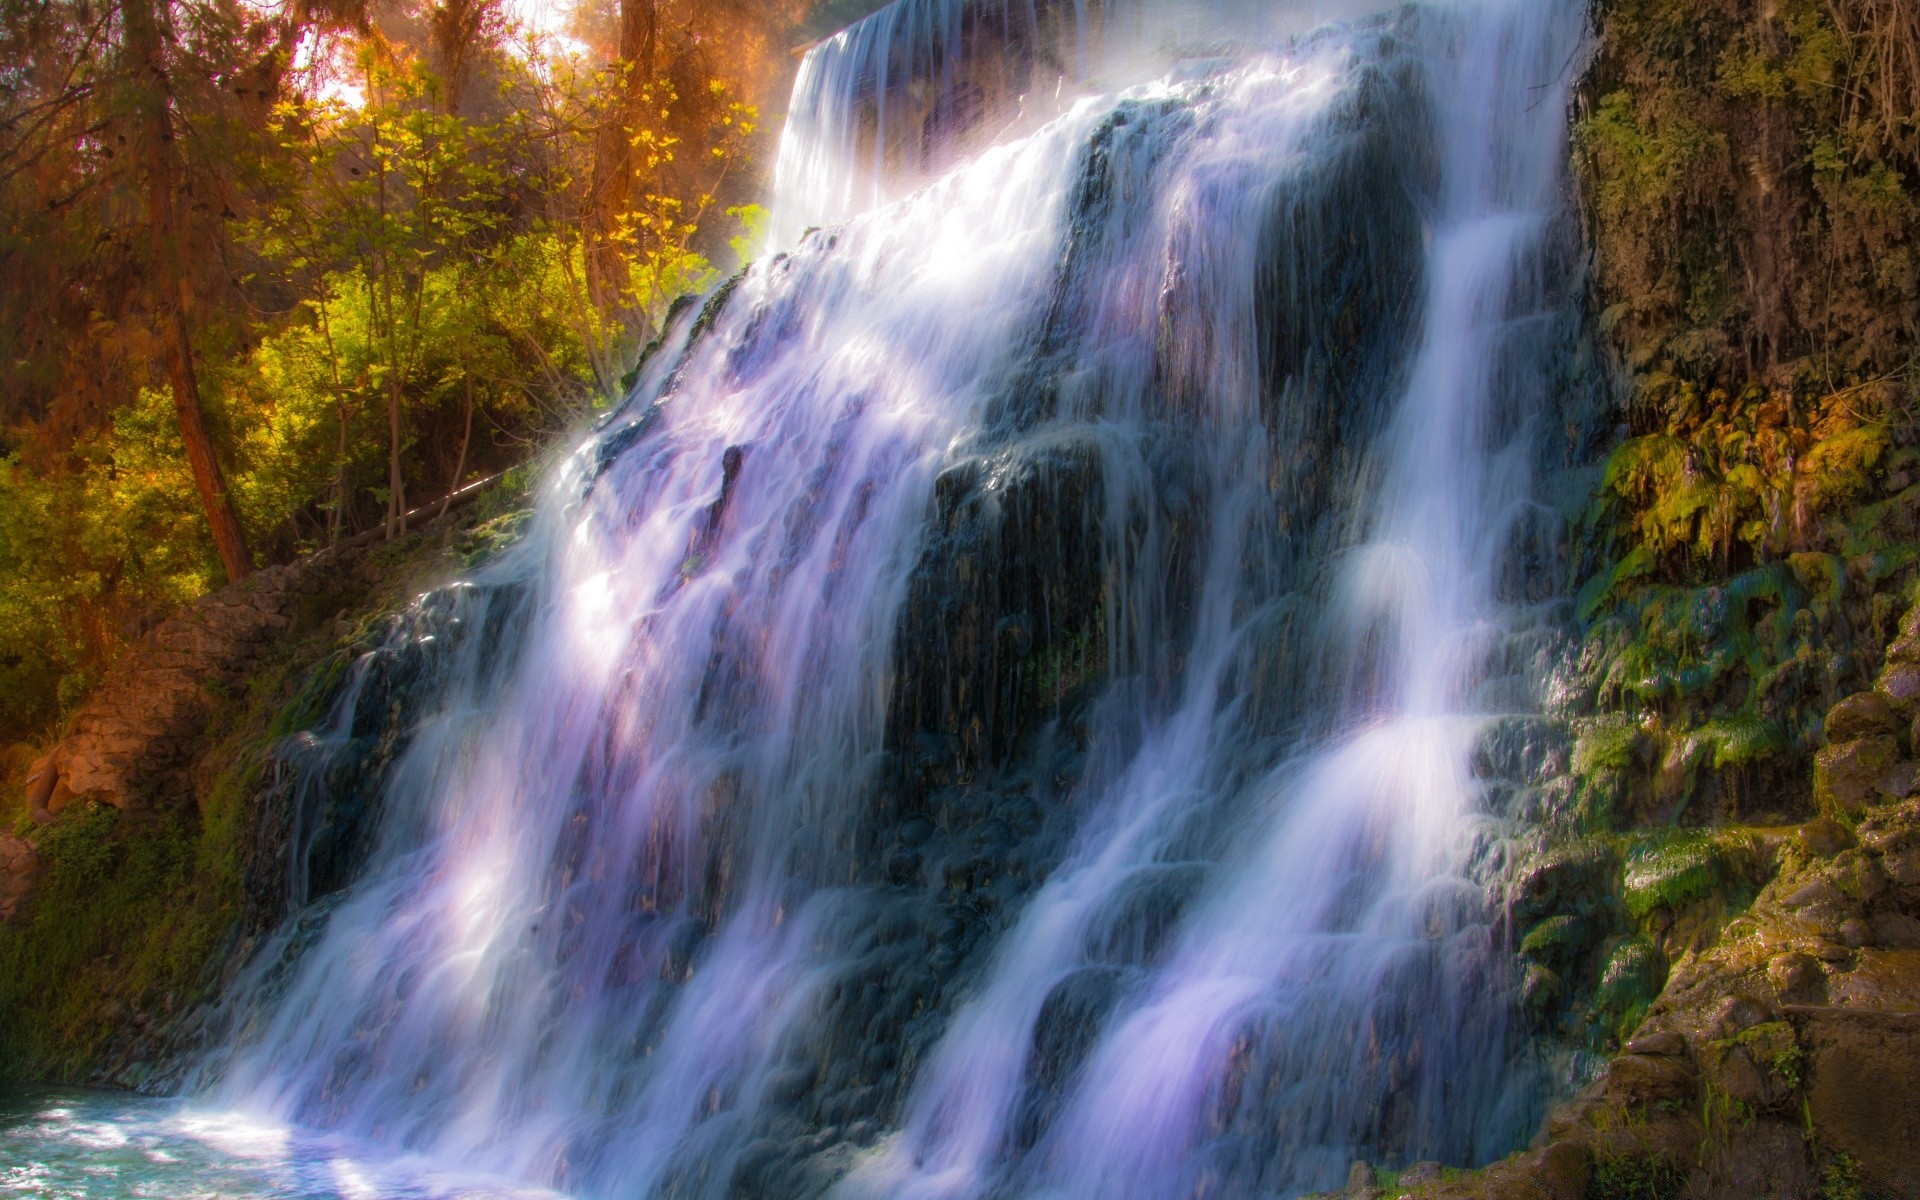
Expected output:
{"points": [[997, 710]]}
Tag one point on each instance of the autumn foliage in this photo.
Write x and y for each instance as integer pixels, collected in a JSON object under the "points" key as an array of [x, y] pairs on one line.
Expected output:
{"points": [[377, 251]]}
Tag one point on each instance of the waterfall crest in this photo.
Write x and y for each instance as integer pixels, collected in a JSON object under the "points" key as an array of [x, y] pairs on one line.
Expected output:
{"points": [[995, 712]]}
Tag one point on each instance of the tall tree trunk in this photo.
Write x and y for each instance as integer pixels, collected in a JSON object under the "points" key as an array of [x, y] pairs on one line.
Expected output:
{"points": [[613, 160], [147, 76], [396, 480]]}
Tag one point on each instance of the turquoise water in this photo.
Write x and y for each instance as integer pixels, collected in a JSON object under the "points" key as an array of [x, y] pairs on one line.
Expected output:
{"points": [[113, 1145]]}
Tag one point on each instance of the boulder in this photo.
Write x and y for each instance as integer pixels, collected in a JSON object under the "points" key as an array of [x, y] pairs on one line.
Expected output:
{"points": [[1797, 978], [1899, 683], [1848, 775], [134, 739], [1902, 781], [1861, 715], [1906, 646], [1824, 837], [42, 777], [1658, 1045]]}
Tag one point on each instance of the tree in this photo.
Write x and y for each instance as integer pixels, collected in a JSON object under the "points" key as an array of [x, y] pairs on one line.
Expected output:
{"points": [[633, 84], [149, 91]]}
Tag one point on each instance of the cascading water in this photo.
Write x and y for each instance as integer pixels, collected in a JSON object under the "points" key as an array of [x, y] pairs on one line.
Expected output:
{"points": [[995, 712]]}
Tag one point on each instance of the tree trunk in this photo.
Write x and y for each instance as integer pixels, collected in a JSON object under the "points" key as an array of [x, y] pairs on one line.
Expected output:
{"points": [[455, 27], [466, 437], [396, 480], [147, 76], [613, 164]]}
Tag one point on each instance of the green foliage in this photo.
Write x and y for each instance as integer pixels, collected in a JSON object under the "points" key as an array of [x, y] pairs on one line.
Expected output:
{"points": [[1726, 480], [1841, 1179], [1746, 170], [490, 539], [424, 310], [1738, 564], [96, 931], [134, 909], [1636, 1177]]}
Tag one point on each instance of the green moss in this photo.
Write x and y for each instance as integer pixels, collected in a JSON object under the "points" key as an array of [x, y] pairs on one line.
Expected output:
{"points": [[1633, 975], [1555, 939], [1774, 1046], [1612, 744], [135, 910], [491, 538], [1741, 739], [1672, 875]]}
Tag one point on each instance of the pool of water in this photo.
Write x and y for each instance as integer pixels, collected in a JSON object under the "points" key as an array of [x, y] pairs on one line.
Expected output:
{"points": [[112, 1145]]}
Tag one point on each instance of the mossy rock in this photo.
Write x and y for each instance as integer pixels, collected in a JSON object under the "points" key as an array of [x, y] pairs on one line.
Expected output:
{"points": [[1673, 875], [1633, 975]]}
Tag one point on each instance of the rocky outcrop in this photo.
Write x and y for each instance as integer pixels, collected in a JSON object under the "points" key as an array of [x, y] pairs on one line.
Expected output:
{"points": [[1870, 757], [1781, 1062], [1781, 1058], [133, 742]]}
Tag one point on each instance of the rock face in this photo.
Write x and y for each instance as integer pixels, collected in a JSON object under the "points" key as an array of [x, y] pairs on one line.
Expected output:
{"points": [[19, 867], [1870, 757], [135, 739], [1782, 1057], [1863, 1092], [1781, 1061]]}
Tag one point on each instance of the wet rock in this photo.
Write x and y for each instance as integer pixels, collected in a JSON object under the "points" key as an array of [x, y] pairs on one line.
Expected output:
{"points": [[1658, 1045], [1863, 1095], [1360, 1185], [1421, 1173], [1899, 683], [1905, 647], [1562, 881], [1900, 782], [1736, 1014], [1896, 931], [1824, 837], [1734, 1074], [1797, 978], [1848, 775], [1541, 992], [1860, 876], [1763, 1160], [19, 871], [1641, 1079], [1861, 715]]}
